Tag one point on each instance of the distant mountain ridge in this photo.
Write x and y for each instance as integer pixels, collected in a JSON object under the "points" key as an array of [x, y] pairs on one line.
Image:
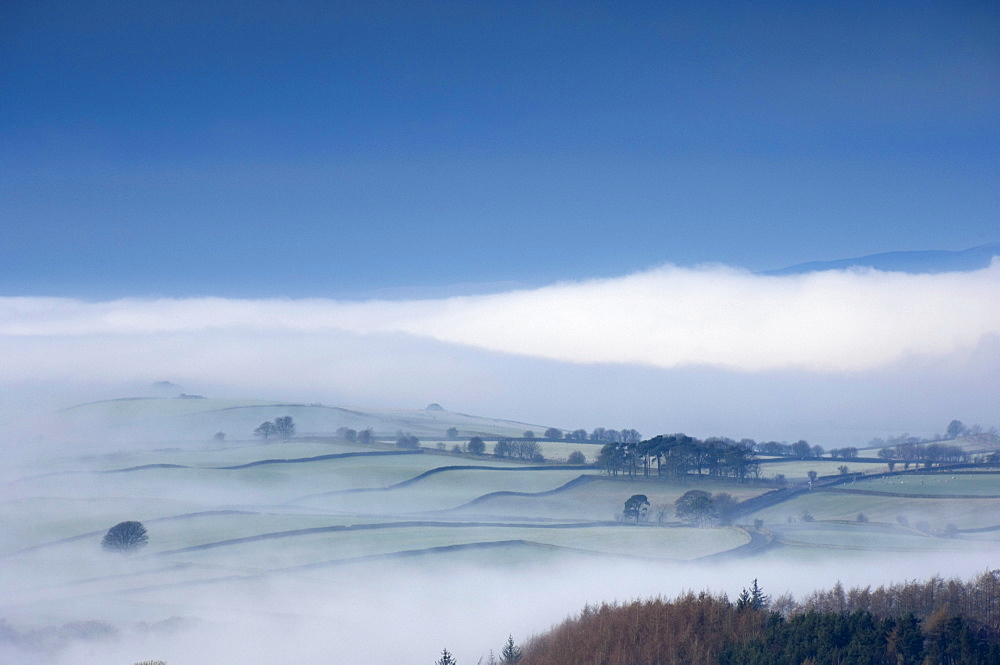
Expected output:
{"points": [[916, 262]]}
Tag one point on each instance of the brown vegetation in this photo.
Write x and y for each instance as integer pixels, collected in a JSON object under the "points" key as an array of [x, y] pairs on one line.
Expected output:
{"points": [[691, 630], [698, 629]]}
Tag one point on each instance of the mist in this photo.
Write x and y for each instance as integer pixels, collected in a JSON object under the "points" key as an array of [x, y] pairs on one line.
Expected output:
{"points": [[404, 612], [834, 357]]}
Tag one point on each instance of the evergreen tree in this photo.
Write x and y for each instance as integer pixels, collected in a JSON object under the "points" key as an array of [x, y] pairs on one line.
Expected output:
{"points": [[446, 658], [511, 653], [753, 598]]}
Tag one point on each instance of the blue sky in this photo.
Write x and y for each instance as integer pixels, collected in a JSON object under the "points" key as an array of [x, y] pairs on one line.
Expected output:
{"points": [[276, 200], [253, 149]]}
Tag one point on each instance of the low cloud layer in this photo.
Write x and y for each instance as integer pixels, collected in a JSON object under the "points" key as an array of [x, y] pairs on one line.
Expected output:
{"points": [[669, 317], [835, 357]]}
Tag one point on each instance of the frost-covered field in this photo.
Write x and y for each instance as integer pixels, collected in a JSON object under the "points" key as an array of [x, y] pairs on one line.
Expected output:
{"points": [[285, 537]]}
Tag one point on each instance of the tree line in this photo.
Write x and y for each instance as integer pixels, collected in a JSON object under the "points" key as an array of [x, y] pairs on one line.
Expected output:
{"points": [[935, 621], [524, 449], [930, 453]]}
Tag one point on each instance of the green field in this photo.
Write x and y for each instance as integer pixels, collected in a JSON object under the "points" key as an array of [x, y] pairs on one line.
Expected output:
{"points": [[150, 419], [245, 515], [798, 471], [943, 484], [822, 505]]}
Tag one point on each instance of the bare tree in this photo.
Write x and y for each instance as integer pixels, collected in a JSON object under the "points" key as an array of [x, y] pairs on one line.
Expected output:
{"points": [[284, 427], [265, 430], [125, 537]]}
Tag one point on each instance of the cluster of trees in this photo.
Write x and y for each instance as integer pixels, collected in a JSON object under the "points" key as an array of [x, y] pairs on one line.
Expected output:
{"points": [[938, 621], [694, 507], [702, 508], [525, 449], [283, 427], [678, 455], [864, 639], [365, 436], [930, 453], [956, 429], [598, 435], [800, 448], [408, 442]]}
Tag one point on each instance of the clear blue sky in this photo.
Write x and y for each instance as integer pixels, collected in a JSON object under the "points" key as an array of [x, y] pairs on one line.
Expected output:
{"points": [[338, 149]]}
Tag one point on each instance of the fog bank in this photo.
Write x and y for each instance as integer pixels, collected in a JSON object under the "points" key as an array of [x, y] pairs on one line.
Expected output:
{"points": [[834, 357]]}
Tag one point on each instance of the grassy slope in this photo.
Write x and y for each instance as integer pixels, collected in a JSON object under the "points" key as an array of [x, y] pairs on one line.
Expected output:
{"points": [[176, 419], [419, 502]]}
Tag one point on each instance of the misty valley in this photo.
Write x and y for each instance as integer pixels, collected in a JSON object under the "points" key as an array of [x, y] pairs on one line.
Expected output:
{"points": [[193, 529]]}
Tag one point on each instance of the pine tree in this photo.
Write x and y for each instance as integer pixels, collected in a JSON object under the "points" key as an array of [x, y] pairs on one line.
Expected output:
{"points": [[753, 598], [511, 653], [446, 659], [758, 599]]}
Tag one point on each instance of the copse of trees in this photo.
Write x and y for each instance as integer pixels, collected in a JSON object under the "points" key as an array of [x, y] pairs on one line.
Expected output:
{"points": [[407, 442], [701, 508], [679, 455], [956, 429], [615, 436], [523, 449], [282, 426]]}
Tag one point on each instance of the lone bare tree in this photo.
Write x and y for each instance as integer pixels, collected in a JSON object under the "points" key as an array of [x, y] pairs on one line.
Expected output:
{"points": [[636, 507], [125, 537], [265, 430]]}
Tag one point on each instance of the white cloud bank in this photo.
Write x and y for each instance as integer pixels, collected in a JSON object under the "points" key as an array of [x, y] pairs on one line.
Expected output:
{"points": [[669, 317]]}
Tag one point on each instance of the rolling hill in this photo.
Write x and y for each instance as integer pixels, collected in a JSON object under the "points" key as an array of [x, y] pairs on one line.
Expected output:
{"points": [[190, 418]]}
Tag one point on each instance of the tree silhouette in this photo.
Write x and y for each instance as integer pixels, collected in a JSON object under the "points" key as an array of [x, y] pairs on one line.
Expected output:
{"points": [[635, 507], [265, 430], [695, 507], [477, 446], [284, 427], [511, 653], [125, 537], [753, 598]]}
